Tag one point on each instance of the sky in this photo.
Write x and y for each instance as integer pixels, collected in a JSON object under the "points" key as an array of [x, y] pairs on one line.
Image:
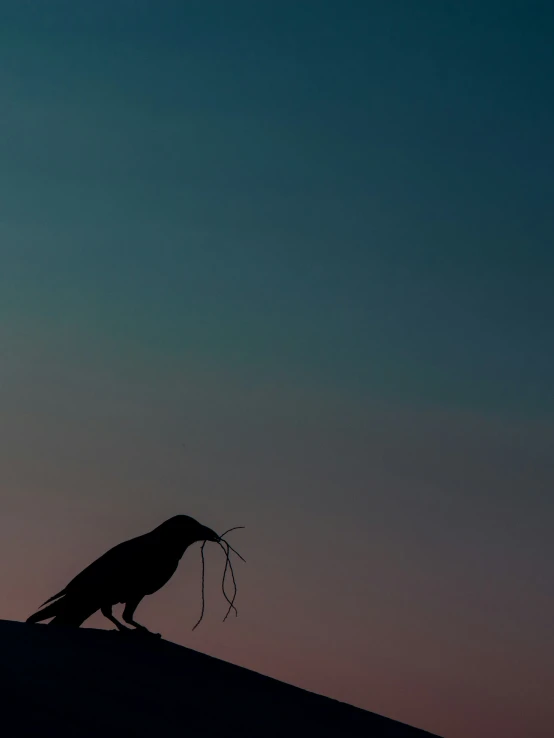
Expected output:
{"points": [[289, 265]]}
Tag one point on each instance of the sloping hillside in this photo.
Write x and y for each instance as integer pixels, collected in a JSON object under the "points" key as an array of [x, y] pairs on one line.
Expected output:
{"points": [[76, 683]]}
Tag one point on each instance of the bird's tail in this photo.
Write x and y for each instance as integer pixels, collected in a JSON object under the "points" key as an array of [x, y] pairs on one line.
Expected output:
{"points": [[66, 610]]}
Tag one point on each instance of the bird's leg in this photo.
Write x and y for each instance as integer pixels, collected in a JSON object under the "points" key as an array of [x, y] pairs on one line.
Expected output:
{"points": [[107, 613], [128, 613]]}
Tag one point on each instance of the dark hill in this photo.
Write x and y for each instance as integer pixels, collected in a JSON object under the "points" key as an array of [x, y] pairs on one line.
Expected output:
{"points": [[79, 683]]}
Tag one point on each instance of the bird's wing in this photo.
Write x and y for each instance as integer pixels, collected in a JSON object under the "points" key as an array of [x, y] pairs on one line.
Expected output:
{"points": [[113, 570]]}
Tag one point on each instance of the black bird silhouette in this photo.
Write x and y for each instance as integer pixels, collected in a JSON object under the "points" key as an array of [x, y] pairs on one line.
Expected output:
{"points": [[125, 574]]}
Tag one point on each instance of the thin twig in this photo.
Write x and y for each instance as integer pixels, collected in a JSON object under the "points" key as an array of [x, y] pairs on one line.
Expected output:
{"points": [[235, 551], [232, 604], [227, 564], [237, 527], [203, 598]]}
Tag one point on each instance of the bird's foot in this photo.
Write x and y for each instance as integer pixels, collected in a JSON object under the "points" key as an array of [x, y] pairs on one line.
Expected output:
{"points": [[144, 633], [141, 632], [149, 634]]}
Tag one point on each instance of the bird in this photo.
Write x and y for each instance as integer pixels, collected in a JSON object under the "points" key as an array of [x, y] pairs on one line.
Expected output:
{"points": [[125, 574]]}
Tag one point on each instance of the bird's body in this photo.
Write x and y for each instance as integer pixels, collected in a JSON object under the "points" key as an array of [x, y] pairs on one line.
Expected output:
{"points": [[125, 574]]}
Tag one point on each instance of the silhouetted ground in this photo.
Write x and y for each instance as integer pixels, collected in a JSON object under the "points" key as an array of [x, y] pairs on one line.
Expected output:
{"points": [[79, 683]]}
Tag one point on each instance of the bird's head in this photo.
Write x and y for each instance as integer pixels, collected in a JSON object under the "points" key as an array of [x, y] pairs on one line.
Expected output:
{"points": [[186, 528], [179, 532]]}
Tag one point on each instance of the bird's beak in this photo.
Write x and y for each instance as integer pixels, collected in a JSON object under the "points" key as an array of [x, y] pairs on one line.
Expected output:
{"points": [[210, 535]]}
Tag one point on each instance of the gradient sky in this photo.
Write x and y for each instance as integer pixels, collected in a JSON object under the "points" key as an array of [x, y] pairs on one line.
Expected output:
{"points": [[312, 242]]}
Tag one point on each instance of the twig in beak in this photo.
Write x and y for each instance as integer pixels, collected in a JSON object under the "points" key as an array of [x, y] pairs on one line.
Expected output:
{"points": [[203, 598]]}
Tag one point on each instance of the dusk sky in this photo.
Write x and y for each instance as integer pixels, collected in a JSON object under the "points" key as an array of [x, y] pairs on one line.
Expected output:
{"points": [[290, 265]]}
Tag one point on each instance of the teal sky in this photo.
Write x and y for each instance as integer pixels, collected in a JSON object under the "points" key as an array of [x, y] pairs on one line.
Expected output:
{"points": [[312, 241]]}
